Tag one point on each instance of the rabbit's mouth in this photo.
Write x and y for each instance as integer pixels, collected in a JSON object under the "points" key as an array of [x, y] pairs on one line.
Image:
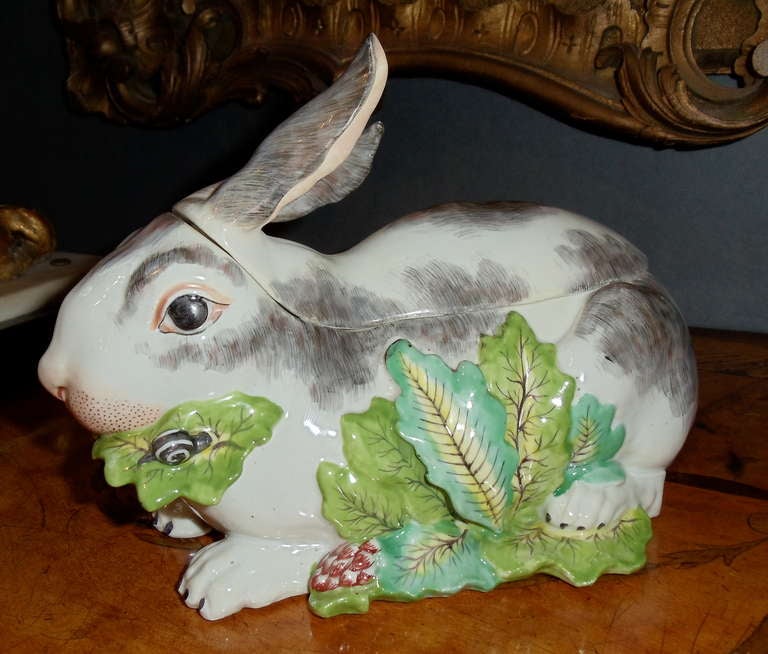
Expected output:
{"points": [[104, 416]]}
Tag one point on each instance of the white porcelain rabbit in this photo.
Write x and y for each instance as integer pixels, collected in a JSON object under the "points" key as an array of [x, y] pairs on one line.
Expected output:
{"points": [[202, 302]]}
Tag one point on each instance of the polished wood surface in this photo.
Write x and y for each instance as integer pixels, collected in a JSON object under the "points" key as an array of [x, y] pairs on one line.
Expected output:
{"points": [[82, 570]]}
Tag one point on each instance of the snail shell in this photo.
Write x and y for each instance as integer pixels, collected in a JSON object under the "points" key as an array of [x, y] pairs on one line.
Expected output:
{"points": [[175, 446]]}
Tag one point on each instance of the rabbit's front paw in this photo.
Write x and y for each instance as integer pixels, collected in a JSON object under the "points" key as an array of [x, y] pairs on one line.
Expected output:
{"points": [[242, 571], [178, 520], [591, 506]]}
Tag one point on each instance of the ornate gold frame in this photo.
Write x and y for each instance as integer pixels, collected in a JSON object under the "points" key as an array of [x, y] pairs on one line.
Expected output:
{"points": [[641, 68]]}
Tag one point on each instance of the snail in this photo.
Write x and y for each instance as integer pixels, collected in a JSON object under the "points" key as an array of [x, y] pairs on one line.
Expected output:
{"points": [[175, 446]]}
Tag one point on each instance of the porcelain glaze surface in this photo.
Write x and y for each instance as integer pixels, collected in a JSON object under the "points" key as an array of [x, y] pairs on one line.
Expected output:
{"points": [[471, 395]]}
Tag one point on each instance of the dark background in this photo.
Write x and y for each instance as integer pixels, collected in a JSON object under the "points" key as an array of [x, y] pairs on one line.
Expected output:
{"points": [[699, 215]]}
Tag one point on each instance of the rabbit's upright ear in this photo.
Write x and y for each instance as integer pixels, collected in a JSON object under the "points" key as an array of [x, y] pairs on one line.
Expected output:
{"points": [[317, 156]]}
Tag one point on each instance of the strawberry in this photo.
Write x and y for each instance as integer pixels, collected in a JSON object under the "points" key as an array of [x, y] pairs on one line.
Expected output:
{"points": [[347, 565]]}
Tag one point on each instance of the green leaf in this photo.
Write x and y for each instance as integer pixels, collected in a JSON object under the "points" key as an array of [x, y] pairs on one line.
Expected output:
{"points": [[342, 600], [228, 429], [427, 561], [593, 444], [523, 374], [576, 557], [601, 473], [457, 428], [374, 449], [385, 484], [360, 508]]}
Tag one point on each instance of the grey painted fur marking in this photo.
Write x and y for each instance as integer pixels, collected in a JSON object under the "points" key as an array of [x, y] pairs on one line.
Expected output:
{"points": [[439, 286], [336, 361], [639, 329], [443, 286], [324, 299], [601, 260], [468, 218]]}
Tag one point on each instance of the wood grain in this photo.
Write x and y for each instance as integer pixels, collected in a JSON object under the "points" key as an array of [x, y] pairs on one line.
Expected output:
{"points": [[82, 570]]}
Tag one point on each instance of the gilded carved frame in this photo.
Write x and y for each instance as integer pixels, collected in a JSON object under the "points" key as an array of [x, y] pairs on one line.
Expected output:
{"points": [[640, 68]]}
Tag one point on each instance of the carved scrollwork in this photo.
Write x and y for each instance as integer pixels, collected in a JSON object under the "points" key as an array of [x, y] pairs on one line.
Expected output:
{"points": [[641, 67], [663, 81]]}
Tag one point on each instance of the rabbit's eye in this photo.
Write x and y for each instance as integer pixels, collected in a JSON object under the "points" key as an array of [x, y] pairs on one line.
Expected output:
{"points": [[190, 314]]}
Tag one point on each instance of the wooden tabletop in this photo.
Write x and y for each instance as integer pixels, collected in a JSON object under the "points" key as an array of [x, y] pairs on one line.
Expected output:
{"points": [[82, 570]]}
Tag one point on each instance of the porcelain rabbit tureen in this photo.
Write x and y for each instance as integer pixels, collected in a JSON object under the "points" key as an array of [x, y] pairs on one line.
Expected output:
{"points": [[471, 395]]}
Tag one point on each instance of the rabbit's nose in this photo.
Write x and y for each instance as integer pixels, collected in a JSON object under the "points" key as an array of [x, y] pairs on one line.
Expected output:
{"points": [[51, 373]]}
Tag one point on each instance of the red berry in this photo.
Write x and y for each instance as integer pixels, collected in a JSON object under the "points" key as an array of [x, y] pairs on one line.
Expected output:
{"points": [[363, 578], [361, 562], [370, 547], [319, 583], [325, 564], [345, 551], [338, 567], [349, 578]]}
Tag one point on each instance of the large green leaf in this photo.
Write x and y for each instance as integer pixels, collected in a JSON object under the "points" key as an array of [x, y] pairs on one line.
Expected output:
{"points": [[427, 561], [359, 507], [593, 444], [457, 428], [374, 448], [231, 427], [523, 374], [385, 484], [577, 557]]}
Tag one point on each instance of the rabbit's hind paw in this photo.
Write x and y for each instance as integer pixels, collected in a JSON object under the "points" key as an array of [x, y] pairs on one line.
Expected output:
{"points": [[597, 505]]}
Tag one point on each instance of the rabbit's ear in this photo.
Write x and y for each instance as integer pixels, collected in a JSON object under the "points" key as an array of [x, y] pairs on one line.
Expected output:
{"points": [[341, 182], [323, 138], [193, 204]]}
